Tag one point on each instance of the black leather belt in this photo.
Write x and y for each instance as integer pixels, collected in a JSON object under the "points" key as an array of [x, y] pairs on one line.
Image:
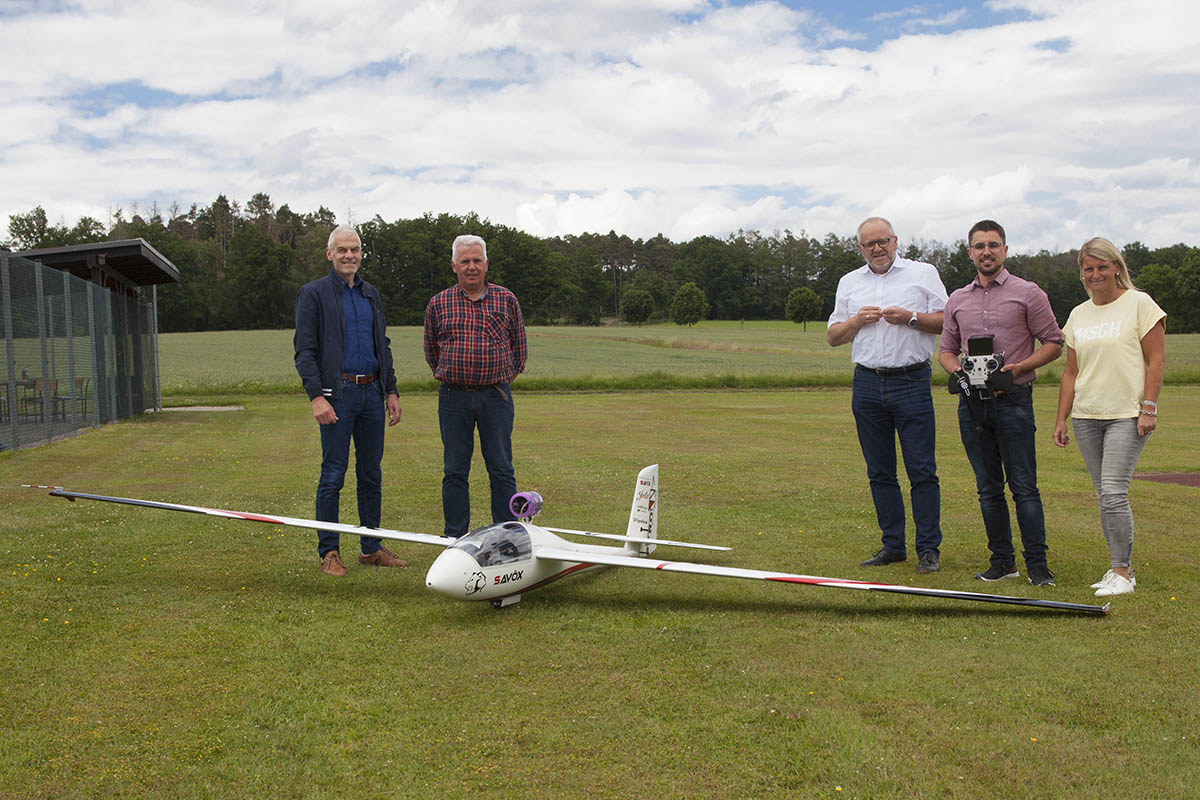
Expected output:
{"points": [[464, 388], [893, 370], [361, 380]]}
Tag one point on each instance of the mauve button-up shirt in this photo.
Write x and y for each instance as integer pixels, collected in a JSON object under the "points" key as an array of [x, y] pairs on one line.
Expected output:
{"points": [[1015, 311]]}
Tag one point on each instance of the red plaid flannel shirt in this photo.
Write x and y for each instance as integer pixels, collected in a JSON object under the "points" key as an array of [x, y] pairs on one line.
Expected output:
{"points": [[475, 343]]}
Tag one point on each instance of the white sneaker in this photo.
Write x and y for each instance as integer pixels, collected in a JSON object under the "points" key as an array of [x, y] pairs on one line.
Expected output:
{"points": [[1102, 581], [1114, 584]]}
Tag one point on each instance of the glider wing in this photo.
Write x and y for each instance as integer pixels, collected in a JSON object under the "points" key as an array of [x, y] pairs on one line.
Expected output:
{"points": [[813, 580], [270, 519]]}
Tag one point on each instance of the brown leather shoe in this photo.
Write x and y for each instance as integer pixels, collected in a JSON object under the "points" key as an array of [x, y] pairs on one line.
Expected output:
{"points": [[382, 558], [332, 564]]}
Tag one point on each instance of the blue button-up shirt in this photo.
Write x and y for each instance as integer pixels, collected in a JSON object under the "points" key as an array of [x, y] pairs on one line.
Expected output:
{"points": [[358, 357]]}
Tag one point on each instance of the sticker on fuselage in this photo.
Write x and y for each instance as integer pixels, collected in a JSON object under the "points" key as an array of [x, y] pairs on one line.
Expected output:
{"points": [[515, 575], [475, 583]]}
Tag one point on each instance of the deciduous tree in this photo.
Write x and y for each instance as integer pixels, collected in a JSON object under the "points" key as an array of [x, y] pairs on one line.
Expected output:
{"points": [[636, 306], [803, 304], [689, 305]]}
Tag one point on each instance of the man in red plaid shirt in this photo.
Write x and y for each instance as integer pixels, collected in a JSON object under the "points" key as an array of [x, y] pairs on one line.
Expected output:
{"points": [[475, 345]]}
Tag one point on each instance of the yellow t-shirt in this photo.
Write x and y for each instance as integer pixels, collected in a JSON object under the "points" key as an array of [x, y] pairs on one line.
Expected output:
{"points": [[1107, 341]]}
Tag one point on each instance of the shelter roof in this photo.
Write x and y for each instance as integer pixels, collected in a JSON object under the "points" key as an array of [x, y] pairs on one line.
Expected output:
{"points": [[133, 259]]}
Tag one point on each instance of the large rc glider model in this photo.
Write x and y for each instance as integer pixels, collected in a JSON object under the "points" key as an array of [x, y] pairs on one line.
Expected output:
{"points": [[504, 560]]}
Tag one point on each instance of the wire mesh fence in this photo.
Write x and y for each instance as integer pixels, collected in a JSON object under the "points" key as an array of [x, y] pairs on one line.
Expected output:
{"points": [[76, 355]]}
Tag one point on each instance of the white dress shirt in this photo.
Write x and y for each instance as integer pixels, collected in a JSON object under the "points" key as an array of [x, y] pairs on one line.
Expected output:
{"points": [[914, 285]]}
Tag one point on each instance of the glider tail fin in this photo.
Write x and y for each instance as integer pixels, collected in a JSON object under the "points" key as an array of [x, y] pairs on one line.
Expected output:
{"points": [[643, 515]]}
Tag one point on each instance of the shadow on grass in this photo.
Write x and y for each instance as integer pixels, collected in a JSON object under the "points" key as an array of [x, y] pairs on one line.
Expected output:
{"points": [[587, 591], [850, 608]]}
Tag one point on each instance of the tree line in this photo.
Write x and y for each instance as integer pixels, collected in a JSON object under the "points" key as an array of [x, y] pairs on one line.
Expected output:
{"points": [[241, 267]]}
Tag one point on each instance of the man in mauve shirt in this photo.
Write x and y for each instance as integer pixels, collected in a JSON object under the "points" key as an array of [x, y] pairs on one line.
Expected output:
{"points": [[475, 345], [998, 433]]}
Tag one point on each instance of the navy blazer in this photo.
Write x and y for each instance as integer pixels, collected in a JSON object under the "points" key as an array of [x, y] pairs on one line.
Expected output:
{"points": [[320, 337]]}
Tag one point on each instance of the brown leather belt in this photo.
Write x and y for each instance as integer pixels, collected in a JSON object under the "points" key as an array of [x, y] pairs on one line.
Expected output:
{"points": [[361, 380]]}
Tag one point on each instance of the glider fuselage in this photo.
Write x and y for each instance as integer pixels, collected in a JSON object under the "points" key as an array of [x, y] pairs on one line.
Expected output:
{"points": [[500, 561]]}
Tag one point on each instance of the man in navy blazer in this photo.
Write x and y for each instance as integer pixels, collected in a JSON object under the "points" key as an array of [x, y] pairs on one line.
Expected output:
{"points": [[344, 359]]}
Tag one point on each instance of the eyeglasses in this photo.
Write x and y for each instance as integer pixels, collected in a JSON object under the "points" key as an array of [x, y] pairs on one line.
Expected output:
{"points": [[979, 247], [871, 245]]}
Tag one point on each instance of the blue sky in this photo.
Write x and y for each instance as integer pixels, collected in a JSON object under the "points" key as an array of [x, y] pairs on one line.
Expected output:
{"points": [[1063, 119], [875, 22]]}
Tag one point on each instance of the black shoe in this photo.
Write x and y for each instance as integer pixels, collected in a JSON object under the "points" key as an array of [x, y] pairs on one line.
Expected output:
{"points": [[1040, 576], [884, 556], [928, 562], [997, 572]]}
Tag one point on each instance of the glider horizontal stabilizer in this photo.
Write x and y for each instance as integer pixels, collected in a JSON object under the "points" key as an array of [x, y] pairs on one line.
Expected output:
{"points": [[813, 580], [271, 519], [635, 539]]}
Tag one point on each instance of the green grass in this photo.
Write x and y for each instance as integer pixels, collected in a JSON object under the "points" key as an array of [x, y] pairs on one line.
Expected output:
{"points": [[147, 653], [754, 355]]}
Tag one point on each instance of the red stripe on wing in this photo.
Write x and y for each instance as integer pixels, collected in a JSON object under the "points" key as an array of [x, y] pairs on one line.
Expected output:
{"points": [[244, 515], [821, 581]]}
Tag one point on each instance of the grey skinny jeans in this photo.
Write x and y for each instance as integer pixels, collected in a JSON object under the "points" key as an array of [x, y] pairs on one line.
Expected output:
{"points": [[1111, 449]]}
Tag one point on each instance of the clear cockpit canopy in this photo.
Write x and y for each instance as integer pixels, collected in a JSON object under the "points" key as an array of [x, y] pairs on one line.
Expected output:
{"points": [[496, 544]]}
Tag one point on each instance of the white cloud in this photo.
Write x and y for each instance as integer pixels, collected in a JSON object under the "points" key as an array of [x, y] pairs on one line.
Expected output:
{"points": [[634, 115], [944, 21]]}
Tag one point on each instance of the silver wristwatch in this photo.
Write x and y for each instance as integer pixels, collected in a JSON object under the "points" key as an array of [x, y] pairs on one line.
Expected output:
{"points": [[912, 323]]}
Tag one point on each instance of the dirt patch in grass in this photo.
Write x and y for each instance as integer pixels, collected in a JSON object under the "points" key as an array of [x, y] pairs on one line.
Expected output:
{"points": [[1181, 478]]}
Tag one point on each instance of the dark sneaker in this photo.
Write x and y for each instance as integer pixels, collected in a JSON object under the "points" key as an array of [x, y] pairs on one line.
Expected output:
{"points": [[928, 562], [884, 556], [332, 564], [1040, 576], [382, 558], [998, 572]]}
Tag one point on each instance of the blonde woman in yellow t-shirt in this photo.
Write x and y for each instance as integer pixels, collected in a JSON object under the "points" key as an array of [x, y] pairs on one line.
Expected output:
{"points": [[1109, 388]]}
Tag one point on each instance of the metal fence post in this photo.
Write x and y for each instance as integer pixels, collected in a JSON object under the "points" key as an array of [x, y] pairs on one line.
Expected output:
{"points": [[154, 346], [97, 356], [72, 388], [40, 299], [10, 358], [111, 338]]}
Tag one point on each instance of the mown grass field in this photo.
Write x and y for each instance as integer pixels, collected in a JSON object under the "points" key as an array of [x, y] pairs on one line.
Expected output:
{"points": [[147, 653], [618, 357]]}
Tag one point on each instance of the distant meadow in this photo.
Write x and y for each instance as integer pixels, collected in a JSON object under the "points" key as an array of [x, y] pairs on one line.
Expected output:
{"points": [[598, 358]]}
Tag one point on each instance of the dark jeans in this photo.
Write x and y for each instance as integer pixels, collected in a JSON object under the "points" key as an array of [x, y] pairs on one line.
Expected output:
{"points": [[460, 411], [361, 417], [1003, 448], [885, 406]]}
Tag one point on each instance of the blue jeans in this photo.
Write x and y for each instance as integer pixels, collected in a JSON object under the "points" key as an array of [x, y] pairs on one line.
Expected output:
{"points": [[460, 411], [361, 417], [885, 406], [1002, 448]]}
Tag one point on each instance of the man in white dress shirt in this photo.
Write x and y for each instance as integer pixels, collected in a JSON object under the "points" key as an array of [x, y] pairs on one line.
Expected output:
{"points": [[890, 309]]}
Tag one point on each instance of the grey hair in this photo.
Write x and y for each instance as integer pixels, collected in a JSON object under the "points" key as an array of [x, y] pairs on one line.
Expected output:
{"points": [[464, 241], [891, 230], [341, 229]]}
